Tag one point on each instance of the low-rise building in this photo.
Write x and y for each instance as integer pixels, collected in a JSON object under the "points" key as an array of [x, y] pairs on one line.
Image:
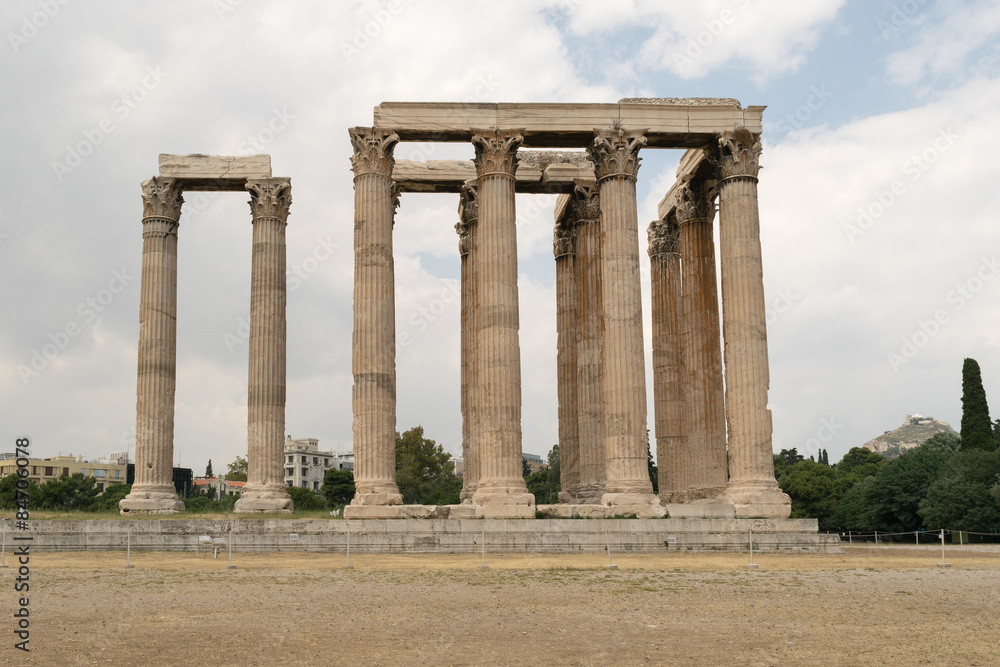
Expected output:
{"points": [[306, 464], [105, 471]]}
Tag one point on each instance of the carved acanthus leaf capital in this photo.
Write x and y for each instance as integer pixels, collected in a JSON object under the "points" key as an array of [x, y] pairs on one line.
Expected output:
{"points": [[496, 151], [270, 197], [664, 237], [564, 238], [695, 202], [161, 198], [585, 203], [615, 152], [739, 153], [373, 150]]}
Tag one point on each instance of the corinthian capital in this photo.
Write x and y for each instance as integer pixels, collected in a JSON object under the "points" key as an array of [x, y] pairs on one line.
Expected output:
{"points": [[695, 202], [739, 153], [161, 198], [564, 238], [585, 203], [615, 152], [372, 150], [664, 237], [496, 151], [270, 197]]}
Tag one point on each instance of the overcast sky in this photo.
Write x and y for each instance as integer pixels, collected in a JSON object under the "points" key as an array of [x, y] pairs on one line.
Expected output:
{"points": [[879, 198]]}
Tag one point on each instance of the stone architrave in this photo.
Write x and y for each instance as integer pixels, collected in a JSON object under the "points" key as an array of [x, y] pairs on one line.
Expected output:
{"points": [[615, 154], [501, 492], [585, 207], [153, 491], [564, 249], [468, 212], [668, 361], [373, 396], [705, 400], [265, 490], [752, 487]]}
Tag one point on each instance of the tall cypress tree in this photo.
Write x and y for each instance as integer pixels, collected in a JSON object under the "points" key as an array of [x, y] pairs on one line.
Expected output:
{"points": [[977, 429]]}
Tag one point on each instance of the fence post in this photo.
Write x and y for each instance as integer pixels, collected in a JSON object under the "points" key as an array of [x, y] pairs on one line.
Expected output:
{"points": [[128, 548], [482, 548], [751, 564], [607, 543], [230, 544], [942, 563], [348, 566], [3, 550]]}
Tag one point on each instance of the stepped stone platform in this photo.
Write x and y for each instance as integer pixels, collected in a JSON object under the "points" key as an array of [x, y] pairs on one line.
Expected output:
{"points": [[441, 535]]}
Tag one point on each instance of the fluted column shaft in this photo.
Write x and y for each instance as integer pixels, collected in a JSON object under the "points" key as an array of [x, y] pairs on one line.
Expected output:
{"points": [[590, 333], [265, 490], [752, 487], [501, 490], [668, 361], [373, 397], [153, 491], [467, 230], [615, 154], [706, 424], [564, 248]]}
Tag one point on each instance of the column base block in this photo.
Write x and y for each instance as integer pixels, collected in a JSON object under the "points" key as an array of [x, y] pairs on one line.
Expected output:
{"points": [[504, 504], [573, 511], [155, 499], [701, 510], [409, 512], [377, 498], [754, 501], [640, 505]]}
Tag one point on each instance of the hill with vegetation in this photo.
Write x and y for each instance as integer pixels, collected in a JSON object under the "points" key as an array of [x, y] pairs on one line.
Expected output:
{"points": [[916, 430]]}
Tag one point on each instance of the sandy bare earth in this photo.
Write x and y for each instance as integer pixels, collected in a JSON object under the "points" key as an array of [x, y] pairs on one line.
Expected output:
{"points": [[886, 607]]}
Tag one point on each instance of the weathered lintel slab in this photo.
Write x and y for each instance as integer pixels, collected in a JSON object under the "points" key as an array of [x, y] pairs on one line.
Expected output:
{"points": [[673, 125], [449, 175], [214, 172], [694, 163]]}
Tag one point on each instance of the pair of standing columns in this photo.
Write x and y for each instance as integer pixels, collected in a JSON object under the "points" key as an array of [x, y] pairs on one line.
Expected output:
{"points": [[691, 417], [491, 359], [579, 324], [153, 490]]}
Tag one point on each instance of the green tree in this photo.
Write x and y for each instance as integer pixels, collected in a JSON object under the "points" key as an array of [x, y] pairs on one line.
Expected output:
{"points": [[960, 498], [860, 462], [785, 458], [902, 484], [654, 475], [815, 489], [306, 500], [555, 468], [8, 492], [69, 492], [237, 471], [525, 468], [338, 487], [111, 496], [424, 472], [208, 469], [977, 429]]}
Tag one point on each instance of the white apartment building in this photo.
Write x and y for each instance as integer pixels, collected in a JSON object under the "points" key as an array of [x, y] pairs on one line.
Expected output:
{"points": [[305, 464]]}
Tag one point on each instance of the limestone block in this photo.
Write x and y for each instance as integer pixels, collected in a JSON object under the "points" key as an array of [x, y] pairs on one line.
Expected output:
{"points": [[701, 510], [214, 172]]}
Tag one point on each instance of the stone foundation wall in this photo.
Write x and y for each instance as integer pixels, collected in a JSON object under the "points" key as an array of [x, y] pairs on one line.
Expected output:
{"points": [[442, 535]]}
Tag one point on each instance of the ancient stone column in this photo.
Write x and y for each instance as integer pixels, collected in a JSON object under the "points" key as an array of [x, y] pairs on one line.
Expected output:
{"points": [[706, 410], [668, 361], [153, 490], [752, 488], [265, 490], [586, 208], [564, 248], [501, 491], [373, 397], [615, 154], [468, 211]]}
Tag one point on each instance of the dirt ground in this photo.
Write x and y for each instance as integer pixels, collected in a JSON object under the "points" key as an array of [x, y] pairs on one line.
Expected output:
{"points": [[882, 606]]}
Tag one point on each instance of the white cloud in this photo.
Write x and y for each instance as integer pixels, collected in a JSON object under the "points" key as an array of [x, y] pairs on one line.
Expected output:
{"points": [[946, 40], [692, 40]]}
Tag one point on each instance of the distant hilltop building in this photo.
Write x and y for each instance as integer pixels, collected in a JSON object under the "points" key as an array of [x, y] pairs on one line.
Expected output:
{"points": [[916, 429]]}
